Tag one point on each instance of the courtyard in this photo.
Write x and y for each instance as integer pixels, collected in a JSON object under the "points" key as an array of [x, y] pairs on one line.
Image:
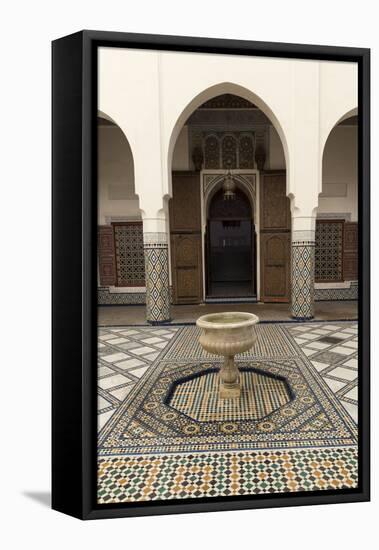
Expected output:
{"points": [[163, 434]]}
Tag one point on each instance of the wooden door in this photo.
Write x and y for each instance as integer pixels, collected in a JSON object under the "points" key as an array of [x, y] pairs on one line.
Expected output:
{"points": [[350, 252], [186, 272], [106, 255], [185, 231], [275, 238]]}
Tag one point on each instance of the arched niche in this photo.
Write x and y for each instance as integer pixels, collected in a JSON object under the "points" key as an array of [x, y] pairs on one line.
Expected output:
{"points": [[245, 183], [116, 183], [212, 92], [339, 194]]}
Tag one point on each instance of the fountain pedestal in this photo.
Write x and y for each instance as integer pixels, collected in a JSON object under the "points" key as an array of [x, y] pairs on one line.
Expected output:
{"points": [[227, 334], [230, 385]]}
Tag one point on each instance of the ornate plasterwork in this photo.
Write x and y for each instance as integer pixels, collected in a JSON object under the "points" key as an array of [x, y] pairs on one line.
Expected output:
{"points": [[227, 149], [247, 182]]}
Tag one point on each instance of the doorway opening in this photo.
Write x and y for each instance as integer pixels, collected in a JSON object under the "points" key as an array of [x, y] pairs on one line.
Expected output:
{"points": [[230, 247]]}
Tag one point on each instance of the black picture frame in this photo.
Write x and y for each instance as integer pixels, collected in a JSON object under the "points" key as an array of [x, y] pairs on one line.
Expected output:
{"points": [[74, 203]]}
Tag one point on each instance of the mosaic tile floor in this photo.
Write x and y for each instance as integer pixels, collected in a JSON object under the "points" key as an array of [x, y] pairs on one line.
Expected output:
{"points": [[332, 349], [306, 439], [124, 355]]}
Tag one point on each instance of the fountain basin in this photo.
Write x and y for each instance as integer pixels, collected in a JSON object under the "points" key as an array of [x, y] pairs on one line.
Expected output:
{"points": [[228, 334]]}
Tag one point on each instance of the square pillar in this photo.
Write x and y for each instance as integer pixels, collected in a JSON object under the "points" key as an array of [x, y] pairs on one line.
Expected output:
{"points": [[303, 273], [157, 277]]}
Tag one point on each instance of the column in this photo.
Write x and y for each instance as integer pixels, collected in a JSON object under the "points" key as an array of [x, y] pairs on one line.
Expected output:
{"points": [[155, 243], [303, 267]]}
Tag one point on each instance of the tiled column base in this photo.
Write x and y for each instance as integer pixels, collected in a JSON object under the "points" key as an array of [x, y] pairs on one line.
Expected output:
{"points": [[157, 278], [303, 279]]}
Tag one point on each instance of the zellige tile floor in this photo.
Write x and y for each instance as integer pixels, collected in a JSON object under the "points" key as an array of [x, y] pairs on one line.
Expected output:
{"points": [[126, 353], [333, 350]]}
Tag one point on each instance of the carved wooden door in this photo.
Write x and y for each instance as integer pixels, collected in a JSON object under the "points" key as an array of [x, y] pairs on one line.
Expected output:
{"points": [[186, 273], [350, 253], [185, 230], [275, 238], [106, 255]]}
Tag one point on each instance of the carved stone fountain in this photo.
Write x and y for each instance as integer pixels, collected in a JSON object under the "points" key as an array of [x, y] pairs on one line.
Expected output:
{"points": [[227, 334]]}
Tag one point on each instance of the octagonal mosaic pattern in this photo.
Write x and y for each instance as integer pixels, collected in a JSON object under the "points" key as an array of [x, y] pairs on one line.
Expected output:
{"points": [[198, 396]]}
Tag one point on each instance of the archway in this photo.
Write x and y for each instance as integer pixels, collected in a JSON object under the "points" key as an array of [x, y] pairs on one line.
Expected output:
{"points": [[230, 246], [336, 240], [228, 133], [218, 90], [121, 267]]}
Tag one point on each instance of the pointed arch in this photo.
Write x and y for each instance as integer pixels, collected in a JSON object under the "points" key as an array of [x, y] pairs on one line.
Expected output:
{"points": [[214, 91]]}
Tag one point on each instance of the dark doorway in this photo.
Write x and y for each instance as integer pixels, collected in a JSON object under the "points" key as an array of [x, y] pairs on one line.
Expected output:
{"points": [[230, 247]]}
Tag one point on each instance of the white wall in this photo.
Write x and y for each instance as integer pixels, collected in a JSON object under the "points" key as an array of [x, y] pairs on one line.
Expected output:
{"points": [[151, 94], [339, 170], [116, 195], [339, 177]]}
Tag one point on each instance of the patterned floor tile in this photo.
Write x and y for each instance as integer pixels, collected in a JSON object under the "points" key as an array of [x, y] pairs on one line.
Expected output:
{"points": [[344, 350], [341, 353], [113, 381], [121, 393], [346, 374], [307, 444], [114, 357], [329, 357], [335, 385], [129, 364], [120, 368], [175, 476]]}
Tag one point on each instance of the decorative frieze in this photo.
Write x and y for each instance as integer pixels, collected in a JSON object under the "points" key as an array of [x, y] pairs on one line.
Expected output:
{"points": [[227, 150]]}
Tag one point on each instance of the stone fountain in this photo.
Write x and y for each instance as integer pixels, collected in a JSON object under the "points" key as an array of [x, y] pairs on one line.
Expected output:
{"points": [[227, 334]]}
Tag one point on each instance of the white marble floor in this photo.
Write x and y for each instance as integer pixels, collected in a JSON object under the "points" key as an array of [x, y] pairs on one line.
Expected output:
{"points": [[333, 350], [124, 355]]}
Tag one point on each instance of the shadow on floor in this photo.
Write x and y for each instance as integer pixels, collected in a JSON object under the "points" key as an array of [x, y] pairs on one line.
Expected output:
{"points": [[41, 497]]}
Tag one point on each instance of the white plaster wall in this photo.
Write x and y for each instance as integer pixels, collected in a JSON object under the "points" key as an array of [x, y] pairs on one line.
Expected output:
{"points": [[340, 171], [115, 176], [338, 95], [151, 94]]}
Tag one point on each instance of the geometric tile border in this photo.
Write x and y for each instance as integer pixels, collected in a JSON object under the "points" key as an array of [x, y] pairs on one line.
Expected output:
{"points": [[330, 294], [104, 297], [181, 476]]}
